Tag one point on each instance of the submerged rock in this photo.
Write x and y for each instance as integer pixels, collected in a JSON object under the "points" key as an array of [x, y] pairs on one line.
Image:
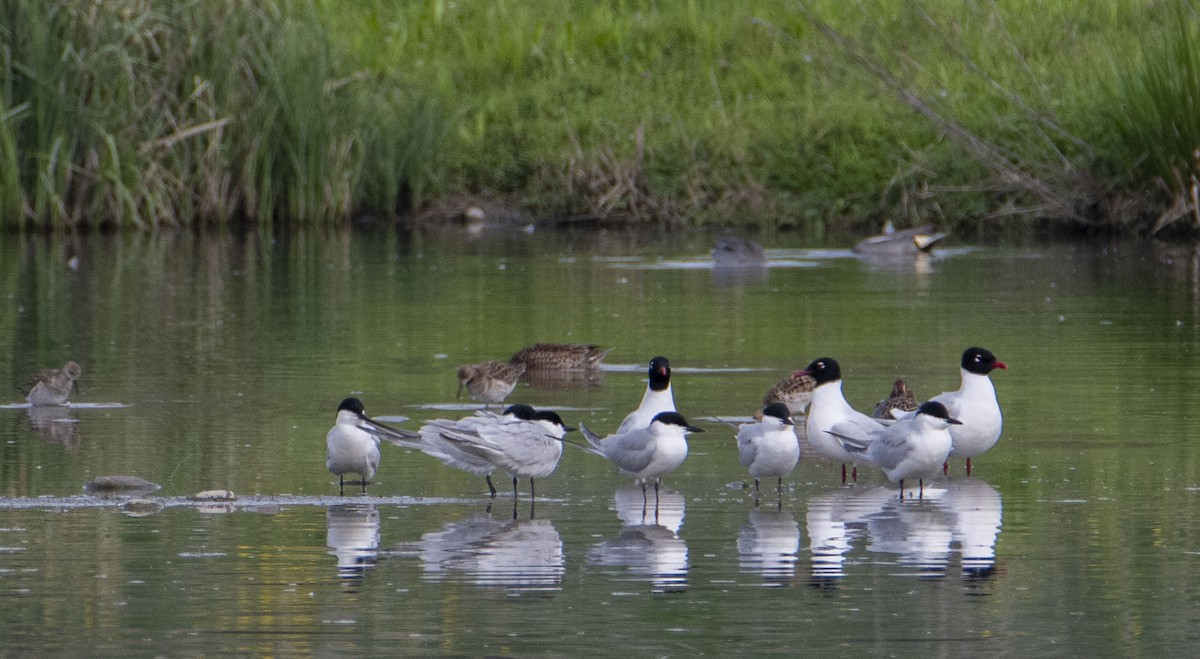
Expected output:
{"points": [[119, 485], [141, 507]]}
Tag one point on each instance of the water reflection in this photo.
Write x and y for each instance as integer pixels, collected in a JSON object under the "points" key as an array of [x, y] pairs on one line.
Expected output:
{"points": [[517, 555], [553, 379], [834, 520], [352, 534], [728, 276], [54, 423], [648, 544], [918, 535], [962, 514], [978, 512], [768, 543], [921, 263]]}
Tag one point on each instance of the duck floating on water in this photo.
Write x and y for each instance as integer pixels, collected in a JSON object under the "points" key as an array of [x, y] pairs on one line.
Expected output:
{"points": [[905, 241], [730, 251]]}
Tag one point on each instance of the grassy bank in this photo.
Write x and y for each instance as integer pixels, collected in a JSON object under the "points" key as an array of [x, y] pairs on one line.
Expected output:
{"points": [[776, 113]]}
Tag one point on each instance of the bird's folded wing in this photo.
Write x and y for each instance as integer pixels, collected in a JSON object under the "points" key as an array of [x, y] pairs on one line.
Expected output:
{"points": [[856, 435], [631, 452], [891, 449]]}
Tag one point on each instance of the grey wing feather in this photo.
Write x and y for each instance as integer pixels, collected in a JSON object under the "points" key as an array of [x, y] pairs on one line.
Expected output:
{"points": [[747, 450], [593, 439], [857, 434], [890, 450], [631, 452]]}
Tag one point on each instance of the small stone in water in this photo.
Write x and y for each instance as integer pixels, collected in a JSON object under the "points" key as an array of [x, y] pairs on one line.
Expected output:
{"points": [[214, 495]]}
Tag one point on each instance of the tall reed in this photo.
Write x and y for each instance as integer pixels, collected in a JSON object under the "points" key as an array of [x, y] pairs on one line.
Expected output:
{"points": [[1155, 109], [148, 113]]}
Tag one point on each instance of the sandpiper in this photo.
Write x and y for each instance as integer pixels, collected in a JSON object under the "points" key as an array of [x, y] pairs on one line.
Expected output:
{"points": [[795, 391], [490, 381], [53, 385]]}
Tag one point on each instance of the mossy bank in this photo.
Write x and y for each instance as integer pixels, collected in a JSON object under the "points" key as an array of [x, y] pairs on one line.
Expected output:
{"points": [[812, 116]]}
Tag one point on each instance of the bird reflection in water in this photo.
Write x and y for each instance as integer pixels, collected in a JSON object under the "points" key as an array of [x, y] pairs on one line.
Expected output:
{"points": [[352, 534], [521, 556], [54, 423], [648, 544], [978, 512], [962, 516], [768, 543]]}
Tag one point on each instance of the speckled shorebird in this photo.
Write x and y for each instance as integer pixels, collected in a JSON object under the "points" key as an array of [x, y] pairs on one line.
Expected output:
{"points": [[489, 382], [901, 399], [560, 356], [795, 391], [53, 385]]}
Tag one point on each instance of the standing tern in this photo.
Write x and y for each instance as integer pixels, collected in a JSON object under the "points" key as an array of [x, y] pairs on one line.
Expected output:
{"points": [[646, 453], [432, 439], [914, 447], [769, 448], [352, 445], [528, 447]]}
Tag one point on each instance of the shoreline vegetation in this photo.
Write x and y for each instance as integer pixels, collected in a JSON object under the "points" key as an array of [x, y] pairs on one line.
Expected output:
{"points": [[819, 116]]}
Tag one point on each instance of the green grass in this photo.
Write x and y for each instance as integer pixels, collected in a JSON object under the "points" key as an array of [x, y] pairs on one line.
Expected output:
{"points": [[748, 113], [815, 115], [134, 113], [1156, 116]]}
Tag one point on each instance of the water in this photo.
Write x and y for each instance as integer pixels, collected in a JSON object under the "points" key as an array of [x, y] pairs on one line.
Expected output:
{"points": [[218, 363]]}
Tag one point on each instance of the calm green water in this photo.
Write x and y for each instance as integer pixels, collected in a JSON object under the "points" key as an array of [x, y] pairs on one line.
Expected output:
{"points": [[218, 362]]}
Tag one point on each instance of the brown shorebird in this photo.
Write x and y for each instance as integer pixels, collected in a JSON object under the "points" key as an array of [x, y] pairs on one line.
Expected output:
{"points": [[489, 382], [560, 356], [901, 398], [53, 385], [795, 391]]}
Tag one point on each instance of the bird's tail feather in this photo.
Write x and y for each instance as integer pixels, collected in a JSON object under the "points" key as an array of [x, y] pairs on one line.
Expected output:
{"points": [[592, 438], [851, 444]]}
